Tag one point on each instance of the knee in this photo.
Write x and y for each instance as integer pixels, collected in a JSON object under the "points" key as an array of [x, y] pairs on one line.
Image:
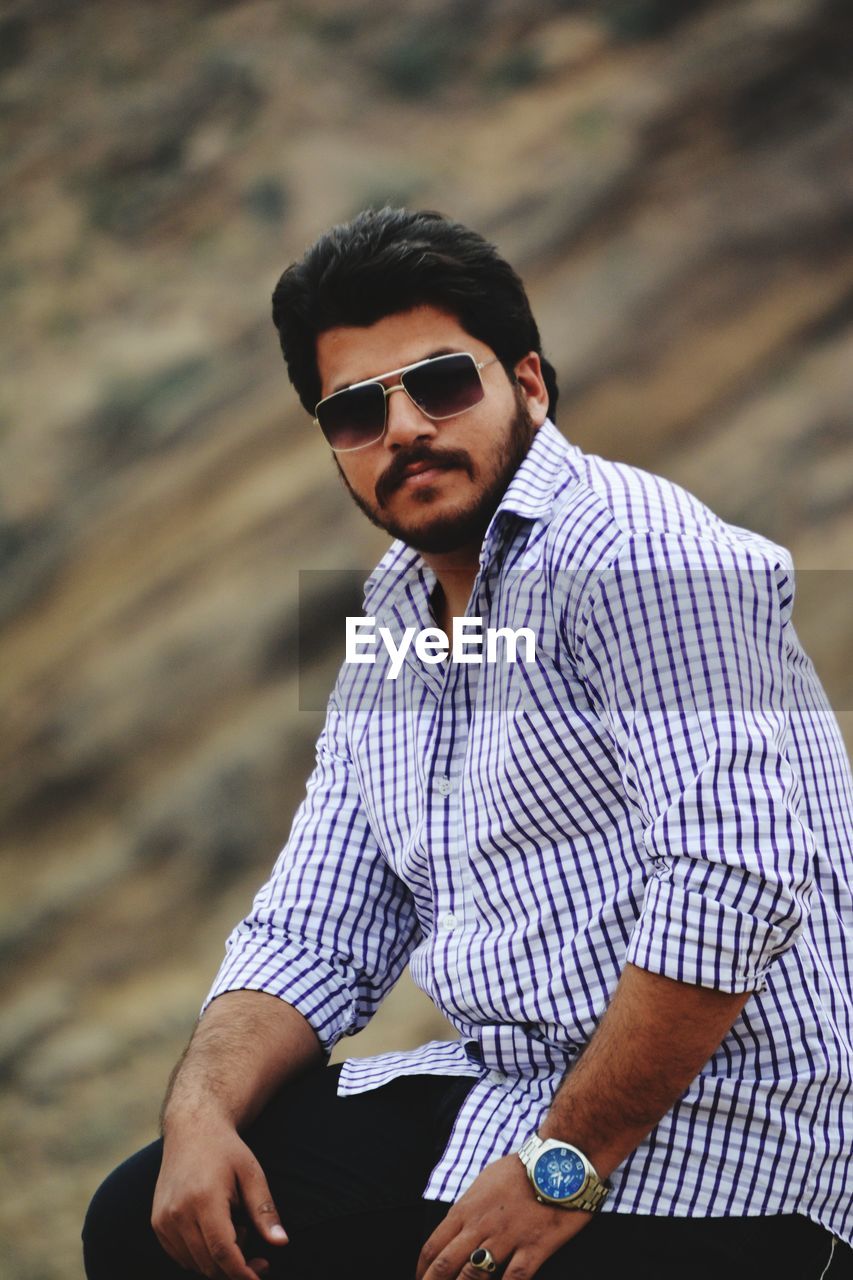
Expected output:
{"points": [[117, 1234], [96, 1231]]}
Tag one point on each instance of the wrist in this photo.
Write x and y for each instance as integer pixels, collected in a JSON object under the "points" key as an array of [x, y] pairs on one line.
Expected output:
{"points": [[195, 1115]]}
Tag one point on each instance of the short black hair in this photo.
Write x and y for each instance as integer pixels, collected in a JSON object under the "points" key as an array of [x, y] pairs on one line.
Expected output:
{"points": [[384, 261]]}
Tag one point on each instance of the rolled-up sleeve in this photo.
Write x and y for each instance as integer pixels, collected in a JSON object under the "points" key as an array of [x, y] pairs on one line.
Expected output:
{"points": [[682, 641], [331, 930]]}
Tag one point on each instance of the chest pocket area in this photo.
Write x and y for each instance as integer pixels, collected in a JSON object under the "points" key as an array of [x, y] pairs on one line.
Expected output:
{"points": [[542, 761]]}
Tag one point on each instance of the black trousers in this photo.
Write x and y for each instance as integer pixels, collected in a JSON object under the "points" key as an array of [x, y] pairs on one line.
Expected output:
{"points": [[347, 1175]]}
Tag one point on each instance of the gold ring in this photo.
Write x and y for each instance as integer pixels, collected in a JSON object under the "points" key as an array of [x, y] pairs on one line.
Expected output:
{"points": [[483, 1260]]}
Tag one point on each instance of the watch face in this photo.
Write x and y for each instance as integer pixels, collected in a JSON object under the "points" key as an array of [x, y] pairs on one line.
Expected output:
{"points": [[559, 1173]]}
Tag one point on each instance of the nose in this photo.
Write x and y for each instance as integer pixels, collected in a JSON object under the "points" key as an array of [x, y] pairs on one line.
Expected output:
{"points": [[405, 423]]}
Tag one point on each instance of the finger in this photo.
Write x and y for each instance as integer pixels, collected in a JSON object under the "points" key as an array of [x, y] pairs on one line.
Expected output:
{"points": [[188, 1249], [173, 1244], [522, 1266], [259, 1203], [455, 1261], [182, 1238], [201, 1259], [223, 1255], [470, 1272], [173, 1234], [444, 1233], [258, 1264]]}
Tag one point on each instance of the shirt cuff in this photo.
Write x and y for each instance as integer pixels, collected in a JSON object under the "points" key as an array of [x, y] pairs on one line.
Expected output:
{"points": [[296, 974], [697, 939]]}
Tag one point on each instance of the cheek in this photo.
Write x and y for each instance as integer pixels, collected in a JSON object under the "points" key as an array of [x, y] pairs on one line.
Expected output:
{"points": [[360, 474], [489, 454]]}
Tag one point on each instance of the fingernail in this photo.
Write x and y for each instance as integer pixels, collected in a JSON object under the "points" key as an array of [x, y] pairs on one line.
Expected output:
{"points": [[278, 1233]]}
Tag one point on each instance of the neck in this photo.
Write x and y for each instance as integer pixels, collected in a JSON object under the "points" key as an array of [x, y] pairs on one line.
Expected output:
{"points": [[455, 571]]}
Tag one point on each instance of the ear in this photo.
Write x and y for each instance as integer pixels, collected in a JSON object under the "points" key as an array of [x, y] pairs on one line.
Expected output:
{"points": [[528, 373]]}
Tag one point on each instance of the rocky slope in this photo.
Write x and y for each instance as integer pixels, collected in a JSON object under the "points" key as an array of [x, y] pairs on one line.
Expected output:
{"points": [[674, 183]]}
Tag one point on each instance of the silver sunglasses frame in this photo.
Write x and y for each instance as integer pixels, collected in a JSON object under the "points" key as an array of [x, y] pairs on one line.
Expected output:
{"points": [[392, 373]]}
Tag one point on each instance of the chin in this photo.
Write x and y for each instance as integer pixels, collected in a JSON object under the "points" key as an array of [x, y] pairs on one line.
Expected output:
{"points": [[448, 532]]}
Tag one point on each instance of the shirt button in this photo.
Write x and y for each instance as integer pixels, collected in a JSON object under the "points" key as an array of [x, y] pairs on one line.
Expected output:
{"points": [[497, 1077], [449, 920], [444, 786]]}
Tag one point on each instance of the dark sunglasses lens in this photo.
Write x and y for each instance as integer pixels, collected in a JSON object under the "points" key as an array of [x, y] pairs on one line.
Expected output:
{"points": [[445, 386], [354, 417]]}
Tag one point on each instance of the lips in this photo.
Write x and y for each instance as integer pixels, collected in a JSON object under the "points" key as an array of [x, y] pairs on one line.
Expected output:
{"points": [[426, 465], [417, 468]]}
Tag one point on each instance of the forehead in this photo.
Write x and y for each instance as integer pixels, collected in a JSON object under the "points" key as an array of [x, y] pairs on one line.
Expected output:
{"points": [[350, 353]]}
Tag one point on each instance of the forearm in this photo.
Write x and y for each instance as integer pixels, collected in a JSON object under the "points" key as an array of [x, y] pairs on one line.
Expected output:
{"points": [[244, 1047], [650, 1044]]}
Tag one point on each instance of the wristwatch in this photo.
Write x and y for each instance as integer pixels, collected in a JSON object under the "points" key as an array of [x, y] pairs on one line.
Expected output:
{"points": [[562, 1175]]}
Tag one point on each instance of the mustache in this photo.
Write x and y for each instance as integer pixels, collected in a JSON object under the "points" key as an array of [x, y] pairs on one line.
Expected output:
{"points": [[441, 459]]}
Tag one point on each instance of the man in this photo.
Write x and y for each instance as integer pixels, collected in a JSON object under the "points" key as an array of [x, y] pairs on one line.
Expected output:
{"points": [[620, 866]]}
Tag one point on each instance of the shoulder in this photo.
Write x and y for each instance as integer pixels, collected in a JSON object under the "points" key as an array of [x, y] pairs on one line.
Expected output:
{"points": [[601, 505], [609, 515]]}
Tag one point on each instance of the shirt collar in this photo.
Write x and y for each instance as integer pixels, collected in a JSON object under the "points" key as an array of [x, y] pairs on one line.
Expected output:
{"points": [[530, 492], [529, 495]]}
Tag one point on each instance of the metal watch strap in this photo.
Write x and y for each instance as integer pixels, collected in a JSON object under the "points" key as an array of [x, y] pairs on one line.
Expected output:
{"points": [[592, 1200], [525, 1151]]}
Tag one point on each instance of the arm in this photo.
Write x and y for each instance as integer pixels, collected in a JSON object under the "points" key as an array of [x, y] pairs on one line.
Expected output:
{"points": [[327, 936], [683, 648], [651, 1042], [246, 1045]]}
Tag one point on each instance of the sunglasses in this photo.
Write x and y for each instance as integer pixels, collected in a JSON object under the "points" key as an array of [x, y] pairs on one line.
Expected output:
{"points": [[441, 387]]}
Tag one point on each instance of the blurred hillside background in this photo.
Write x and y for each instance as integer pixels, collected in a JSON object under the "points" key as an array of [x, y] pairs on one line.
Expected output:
{"points": [[674, 181]]}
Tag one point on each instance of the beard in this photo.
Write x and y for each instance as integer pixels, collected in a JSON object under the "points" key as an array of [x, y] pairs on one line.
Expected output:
{"points": [[466, 525]]}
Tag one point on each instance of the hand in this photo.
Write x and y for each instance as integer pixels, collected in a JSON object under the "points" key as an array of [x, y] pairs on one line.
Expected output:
{"points": [[209, 1178], [499, 1212]]}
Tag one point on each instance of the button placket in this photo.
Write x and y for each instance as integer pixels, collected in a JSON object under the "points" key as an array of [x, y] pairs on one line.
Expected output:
{"points": [[459, 690], [450, 743]]}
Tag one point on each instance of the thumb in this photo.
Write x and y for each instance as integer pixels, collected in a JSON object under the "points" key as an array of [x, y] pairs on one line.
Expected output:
{"points": [[259, 1202]]}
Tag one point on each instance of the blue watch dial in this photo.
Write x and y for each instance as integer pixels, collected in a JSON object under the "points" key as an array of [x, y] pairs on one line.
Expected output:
{"points": [[559, 1173]]}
